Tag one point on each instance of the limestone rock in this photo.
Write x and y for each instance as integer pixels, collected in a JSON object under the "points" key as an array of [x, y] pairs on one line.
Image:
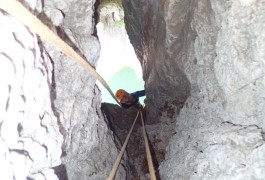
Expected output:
{"points": [[147, 32], [203, 64], [30, 138], [88, 150], [120, 121], [45, 94], [209, 55]]}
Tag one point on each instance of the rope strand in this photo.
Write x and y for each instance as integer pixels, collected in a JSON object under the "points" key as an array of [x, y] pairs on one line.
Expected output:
{"points": [[148, 153], [117, 162]]}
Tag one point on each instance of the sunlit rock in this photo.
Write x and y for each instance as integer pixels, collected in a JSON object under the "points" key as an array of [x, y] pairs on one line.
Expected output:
{"points": [[30, 137]]}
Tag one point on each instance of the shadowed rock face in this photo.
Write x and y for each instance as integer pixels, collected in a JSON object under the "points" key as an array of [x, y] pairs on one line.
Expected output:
{"points": [[207, 56], [163, 76], [120, 121]]}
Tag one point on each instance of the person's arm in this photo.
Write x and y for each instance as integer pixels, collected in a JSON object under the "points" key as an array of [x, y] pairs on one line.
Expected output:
{"points": [[138, 94]]}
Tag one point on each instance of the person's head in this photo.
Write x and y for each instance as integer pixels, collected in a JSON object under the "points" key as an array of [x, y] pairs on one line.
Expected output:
{"points": [[124, 97], [120, 94]]}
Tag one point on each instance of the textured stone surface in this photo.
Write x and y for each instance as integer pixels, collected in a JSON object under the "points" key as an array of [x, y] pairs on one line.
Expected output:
{"points": [[147, 32], [41, 89], [239, 65], [203, 63], [30, 143], [88, 150], [120, 121], [210, 55]]}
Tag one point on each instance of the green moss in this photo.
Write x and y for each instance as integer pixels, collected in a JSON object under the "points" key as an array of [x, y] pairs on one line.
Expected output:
{"points": [[120, 23], [107, 10]]}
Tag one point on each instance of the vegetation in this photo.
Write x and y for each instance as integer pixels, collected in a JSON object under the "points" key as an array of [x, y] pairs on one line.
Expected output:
{"points": [[120, 23]]}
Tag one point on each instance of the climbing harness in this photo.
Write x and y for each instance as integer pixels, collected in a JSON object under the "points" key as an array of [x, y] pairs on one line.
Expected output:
{"points": [[17, 10], [148, 153]]}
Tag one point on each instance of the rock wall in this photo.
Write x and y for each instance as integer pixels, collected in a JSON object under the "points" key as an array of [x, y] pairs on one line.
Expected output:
{"points": [[147, 32], [30, 143], [88, 150], [210, 55], [120, 122], [203, 63], [50, 107]]}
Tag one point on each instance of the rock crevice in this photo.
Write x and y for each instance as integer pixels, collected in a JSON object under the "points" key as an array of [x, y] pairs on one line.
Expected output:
{"points": [[207, 55], [203, 66]]}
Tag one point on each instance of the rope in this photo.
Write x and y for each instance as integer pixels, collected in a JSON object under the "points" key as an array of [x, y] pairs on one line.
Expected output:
{"points": [[148, 153], [17, 10], [117, 162]]}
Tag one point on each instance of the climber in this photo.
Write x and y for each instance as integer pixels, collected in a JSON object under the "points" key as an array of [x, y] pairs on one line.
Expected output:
{"points": [[129, 100]]}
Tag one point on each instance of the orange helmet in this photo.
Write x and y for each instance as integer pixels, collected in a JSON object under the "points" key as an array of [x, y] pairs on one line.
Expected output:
{"points": [[119, 94]]}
